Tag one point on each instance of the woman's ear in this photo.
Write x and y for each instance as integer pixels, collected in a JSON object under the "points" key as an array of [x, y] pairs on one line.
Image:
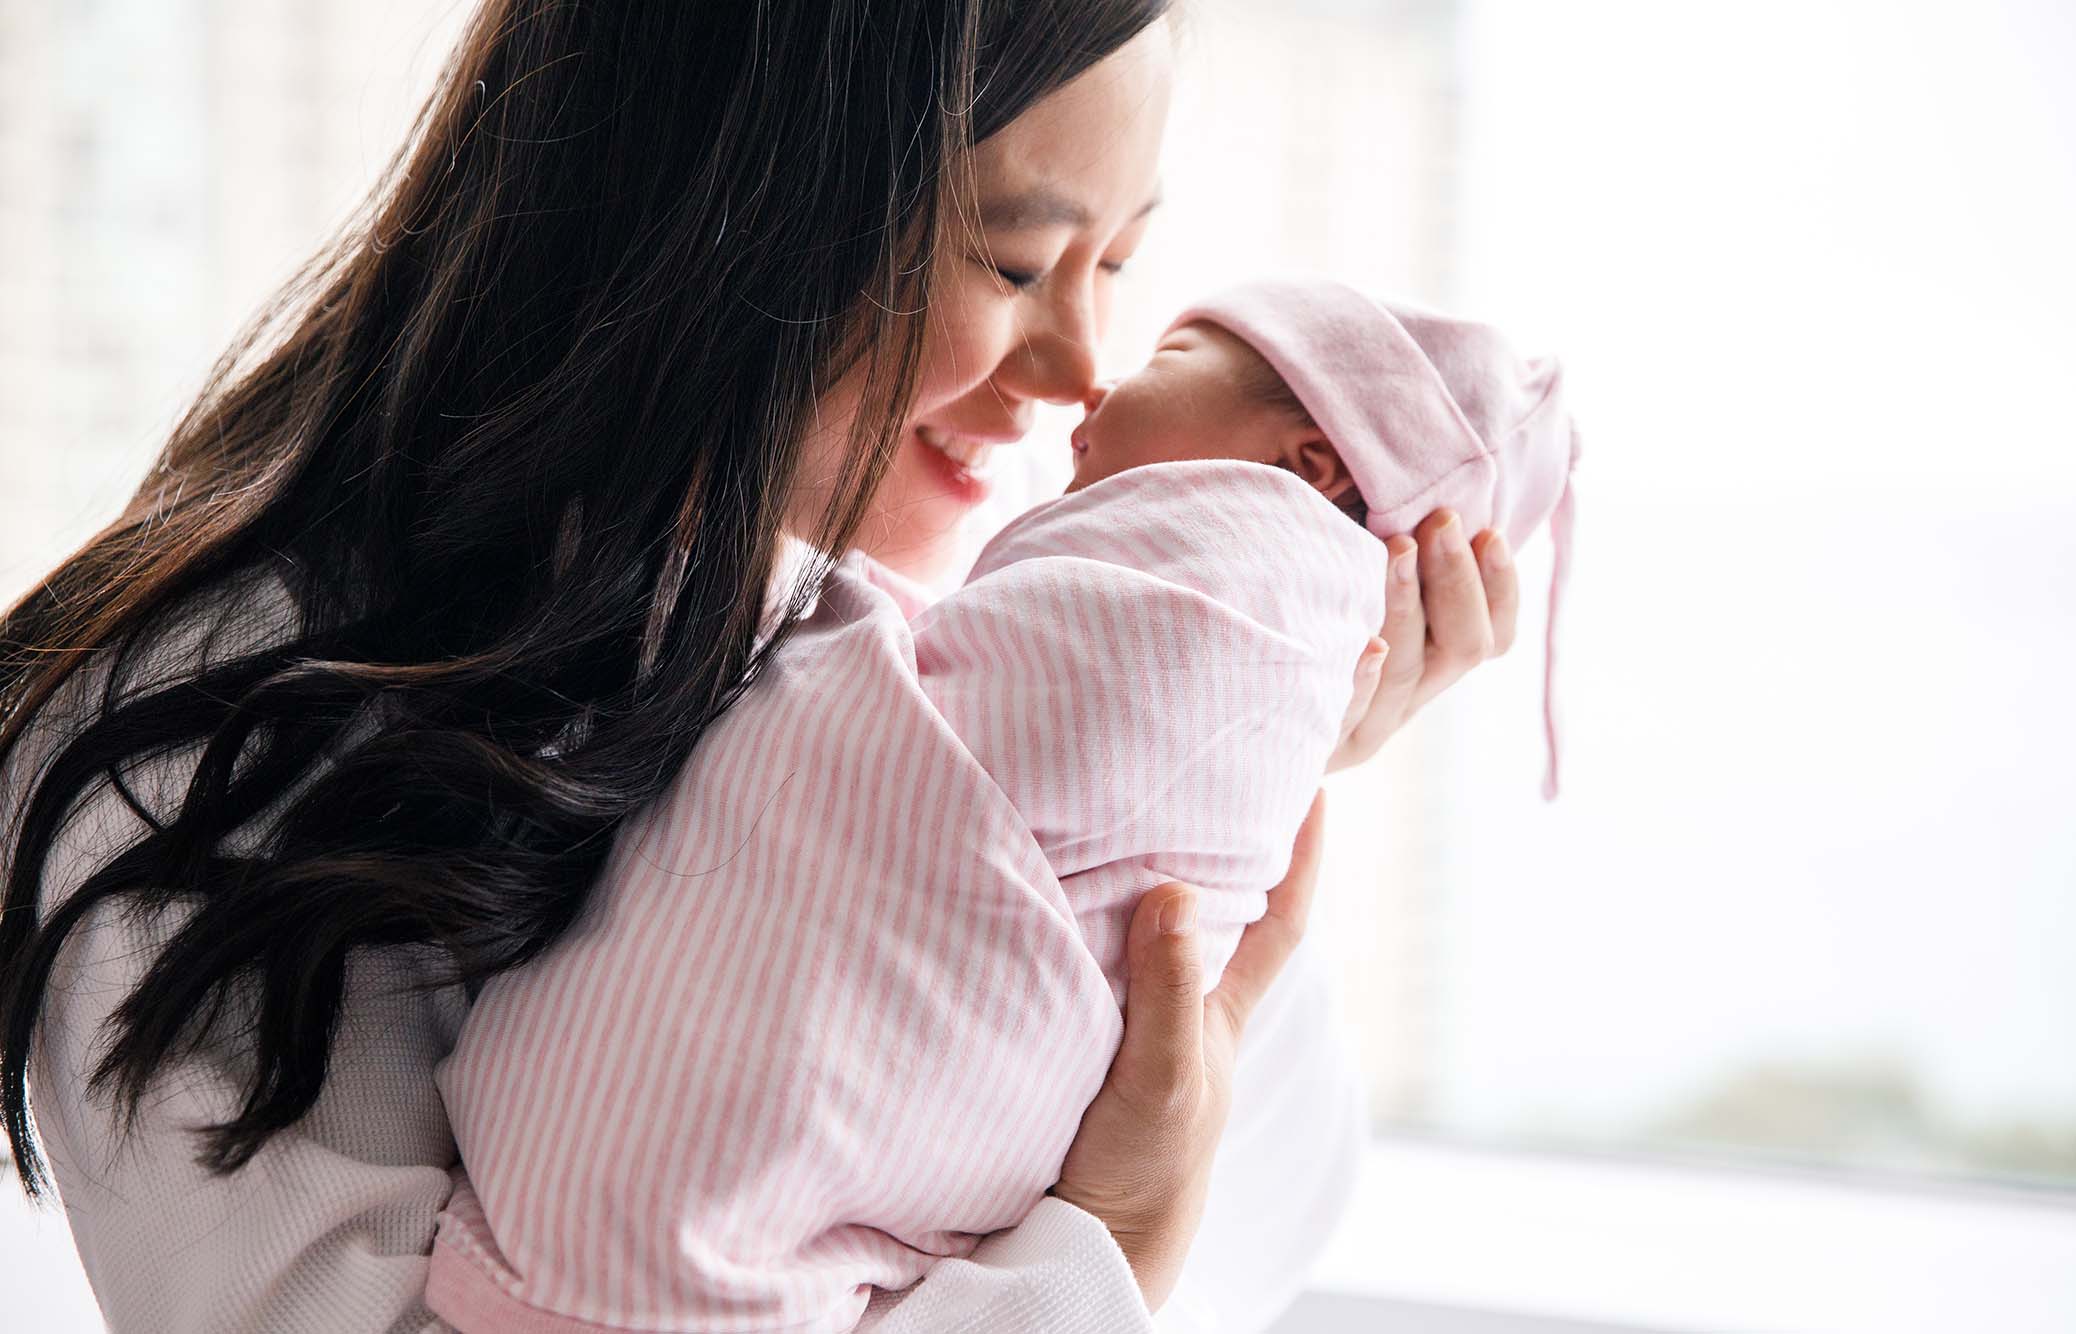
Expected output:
{"points": [[1319, 463]]}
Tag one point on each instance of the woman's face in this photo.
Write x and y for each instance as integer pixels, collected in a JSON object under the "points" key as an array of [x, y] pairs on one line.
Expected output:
{"points": [[1020, 299]]}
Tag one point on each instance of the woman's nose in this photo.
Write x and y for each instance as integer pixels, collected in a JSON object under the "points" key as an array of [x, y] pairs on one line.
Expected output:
{"points": [[1093, 399], [1057, 359]]}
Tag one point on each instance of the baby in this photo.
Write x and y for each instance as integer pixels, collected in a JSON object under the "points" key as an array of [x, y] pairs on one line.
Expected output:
{"points": [[1388, 410], [864, 966]]}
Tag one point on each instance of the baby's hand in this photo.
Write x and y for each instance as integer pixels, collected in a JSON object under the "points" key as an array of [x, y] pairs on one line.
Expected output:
{"points": [[1458, 613]]}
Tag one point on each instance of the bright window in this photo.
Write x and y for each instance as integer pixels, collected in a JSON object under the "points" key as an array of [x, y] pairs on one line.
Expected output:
{"points": [[1810, 895]]}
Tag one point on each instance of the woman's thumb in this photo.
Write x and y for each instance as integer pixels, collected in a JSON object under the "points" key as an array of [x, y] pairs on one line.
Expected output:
{"points": [[1164, 991]]}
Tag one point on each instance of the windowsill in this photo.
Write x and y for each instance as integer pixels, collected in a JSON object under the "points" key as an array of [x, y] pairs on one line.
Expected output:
{"points": [[1693, 1250]]}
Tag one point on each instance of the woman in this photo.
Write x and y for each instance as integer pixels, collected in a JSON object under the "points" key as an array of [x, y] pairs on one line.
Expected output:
{"points": [[471, 539]]}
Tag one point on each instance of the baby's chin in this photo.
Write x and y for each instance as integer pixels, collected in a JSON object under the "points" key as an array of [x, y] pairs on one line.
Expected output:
{"points": [[1089, 467], [1084, 470]]}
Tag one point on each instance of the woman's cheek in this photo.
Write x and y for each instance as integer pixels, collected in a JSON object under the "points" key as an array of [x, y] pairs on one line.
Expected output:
{"points": [[969, 333]]}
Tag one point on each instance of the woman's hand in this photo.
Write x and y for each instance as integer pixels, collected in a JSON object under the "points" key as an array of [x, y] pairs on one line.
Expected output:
{"points": [[1459, 613], [1141, 1161]]}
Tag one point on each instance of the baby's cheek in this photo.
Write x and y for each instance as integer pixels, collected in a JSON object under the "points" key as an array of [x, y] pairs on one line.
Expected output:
{"points": [[1161, 446], [1204, 436], [1236, 433]]}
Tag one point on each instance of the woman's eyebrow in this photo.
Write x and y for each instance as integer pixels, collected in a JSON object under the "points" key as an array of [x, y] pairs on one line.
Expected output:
{"points": [[1042, 206]]}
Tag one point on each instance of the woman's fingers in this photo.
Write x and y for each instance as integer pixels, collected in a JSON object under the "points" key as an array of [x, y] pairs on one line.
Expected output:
{"points": [[1449, 605], [1267, 943], [1369, 671], [1389, 698], [1459, 624], [1141, 1161], [1405, 629], [1160, 1060], [1502, 586]]}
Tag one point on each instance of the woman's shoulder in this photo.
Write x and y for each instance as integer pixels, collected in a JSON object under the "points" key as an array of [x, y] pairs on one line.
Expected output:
{"points": [[242, 612], [341, 1203], [239, 614]]}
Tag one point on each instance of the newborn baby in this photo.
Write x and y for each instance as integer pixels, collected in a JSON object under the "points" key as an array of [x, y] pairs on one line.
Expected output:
{"points": [[863, 968], [1388, 410]]}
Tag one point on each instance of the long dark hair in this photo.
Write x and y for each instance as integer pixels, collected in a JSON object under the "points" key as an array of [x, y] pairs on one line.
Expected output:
{"points": [[517, 444]]}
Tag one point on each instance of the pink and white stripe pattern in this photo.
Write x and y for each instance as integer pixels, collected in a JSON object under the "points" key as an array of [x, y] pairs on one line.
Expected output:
{"points": [[848, 986]]}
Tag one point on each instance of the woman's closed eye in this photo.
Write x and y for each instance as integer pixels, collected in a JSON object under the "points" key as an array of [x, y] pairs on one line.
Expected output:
{"points": [[1020, 279]]}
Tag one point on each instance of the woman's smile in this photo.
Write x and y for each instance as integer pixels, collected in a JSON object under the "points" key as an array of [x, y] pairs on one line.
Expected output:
{"points": [[1017, 302], [961, 463], [970, 452]]}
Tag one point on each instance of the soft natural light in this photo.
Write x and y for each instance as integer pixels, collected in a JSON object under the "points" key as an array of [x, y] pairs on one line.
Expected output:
{"points": [[1808, 901], [1808, 893]]}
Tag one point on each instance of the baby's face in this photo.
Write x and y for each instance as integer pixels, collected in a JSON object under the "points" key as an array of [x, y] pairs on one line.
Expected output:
{"points": [[1188, 402]]}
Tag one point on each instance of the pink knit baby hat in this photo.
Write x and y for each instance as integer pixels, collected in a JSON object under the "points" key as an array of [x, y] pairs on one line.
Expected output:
{"points": [[1426, 411]]}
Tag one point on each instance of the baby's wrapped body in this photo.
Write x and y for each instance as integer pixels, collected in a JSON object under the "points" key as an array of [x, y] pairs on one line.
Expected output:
{"points": [[846, 1018], [1155, 670]]}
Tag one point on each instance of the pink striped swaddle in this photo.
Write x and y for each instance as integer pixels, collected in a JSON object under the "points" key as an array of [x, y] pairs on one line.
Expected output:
{"points": [[850, 984]]}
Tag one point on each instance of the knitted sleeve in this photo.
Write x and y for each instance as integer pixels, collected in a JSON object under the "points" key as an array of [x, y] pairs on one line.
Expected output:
{"points": [[328, 1227]]}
